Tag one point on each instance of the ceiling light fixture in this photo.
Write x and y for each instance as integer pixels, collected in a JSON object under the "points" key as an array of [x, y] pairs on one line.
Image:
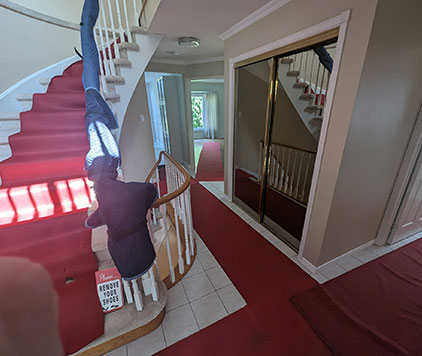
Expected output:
{"points": [[189, 42]]}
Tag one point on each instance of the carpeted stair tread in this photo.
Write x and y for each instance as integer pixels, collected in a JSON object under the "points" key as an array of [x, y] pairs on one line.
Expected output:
{"points": [[48, 142], [62, 84], [52, 121], [74, 70], [58, 101]]}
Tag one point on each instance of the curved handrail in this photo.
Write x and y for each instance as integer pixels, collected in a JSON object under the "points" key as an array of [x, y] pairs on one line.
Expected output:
{"points": [[170, 196]]}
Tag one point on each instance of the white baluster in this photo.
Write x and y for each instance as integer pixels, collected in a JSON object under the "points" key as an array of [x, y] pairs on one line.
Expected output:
{"points": [[189, 209], [300, 65], [171, 269], [312, 71], [260, 160], [280, 182], [102, 77], [153, 285], [128, 32], [315, 102], [138, 296], [104, 51], [286, 182], [292, 176], [321, 86], [128, 292], [116, 47], [119, 19], [184, 222], [176, 219], [108, 46], [305, 180], [135, 12], [306, 67], [298, 175]]}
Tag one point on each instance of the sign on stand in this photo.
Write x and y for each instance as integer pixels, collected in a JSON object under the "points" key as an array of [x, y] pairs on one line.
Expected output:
{"points": [[109, 289]]}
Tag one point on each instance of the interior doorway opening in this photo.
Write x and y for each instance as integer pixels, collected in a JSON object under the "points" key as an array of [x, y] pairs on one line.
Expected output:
{"points": [[207, 107], [279, 109]]}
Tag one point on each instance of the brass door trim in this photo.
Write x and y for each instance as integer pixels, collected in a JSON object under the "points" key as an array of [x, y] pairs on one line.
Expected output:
{"points": [[326, 36], [271, 100]]}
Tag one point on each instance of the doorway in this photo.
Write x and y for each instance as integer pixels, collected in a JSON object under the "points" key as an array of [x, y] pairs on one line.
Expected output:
{"points": [[279, 109], [207, 108]]}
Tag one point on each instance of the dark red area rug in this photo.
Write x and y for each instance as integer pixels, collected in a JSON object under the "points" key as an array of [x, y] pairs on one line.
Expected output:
{"points": [[210, 166], [269, 324], [374, 310]]}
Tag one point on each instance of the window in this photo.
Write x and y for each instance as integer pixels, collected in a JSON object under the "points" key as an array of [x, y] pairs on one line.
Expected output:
{"points": [[198, 112]]}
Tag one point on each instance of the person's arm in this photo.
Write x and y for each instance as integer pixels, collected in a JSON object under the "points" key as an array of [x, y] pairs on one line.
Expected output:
{"points": [[94, 220]]}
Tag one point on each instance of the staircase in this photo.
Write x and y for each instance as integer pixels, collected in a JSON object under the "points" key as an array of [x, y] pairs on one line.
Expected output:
{"points": [[44, 193], [305, 81]]}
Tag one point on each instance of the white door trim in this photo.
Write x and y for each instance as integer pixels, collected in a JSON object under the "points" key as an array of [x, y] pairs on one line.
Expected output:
{"points": [[402, 180], [340, 21]]}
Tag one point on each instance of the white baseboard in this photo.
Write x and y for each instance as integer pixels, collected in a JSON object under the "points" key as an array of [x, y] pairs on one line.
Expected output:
{"points": [[315, 269]]}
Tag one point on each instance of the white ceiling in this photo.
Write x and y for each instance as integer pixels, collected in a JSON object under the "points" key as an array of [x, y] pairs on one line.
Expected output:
{"points": [[205, 19]]}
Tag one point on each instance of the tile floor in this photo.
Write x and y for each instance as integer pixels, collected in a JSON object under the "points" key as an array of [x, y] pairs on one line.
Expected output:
{"points": [[204, 296], [332, 270]]}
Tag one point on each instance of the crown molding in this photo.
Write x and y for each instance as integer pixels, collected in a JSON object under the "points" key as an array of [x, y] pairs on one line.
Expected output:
{"points": [[252, 18], [187, 62]]}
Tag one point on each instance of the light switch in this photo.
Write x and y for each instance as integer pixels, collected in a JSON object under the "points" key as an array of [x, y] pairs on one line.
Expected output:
{"points": [[142, 118]]}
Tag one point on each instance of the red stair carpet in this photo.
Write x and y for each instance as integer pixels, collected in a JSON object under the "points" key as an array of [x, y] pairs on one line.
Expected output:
{"points": [[44, 199], [374, 310], [269, 324], [210, 166]]}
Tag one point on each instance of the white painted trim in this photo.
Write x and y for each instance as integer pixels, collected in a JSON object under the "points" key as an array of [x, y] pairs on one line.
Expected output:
{"points": [[295, 37], [324, 127], [321, 268], [252, 18], [402, 179], [22, 10], [181, 62], [337, 21]]}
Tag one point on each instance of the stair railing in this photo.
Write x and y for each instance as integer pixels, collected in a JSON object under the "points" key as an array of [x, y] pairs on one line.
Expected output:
{"points": [[175, 204], [290, 170], [314, 76], [116, 21]]}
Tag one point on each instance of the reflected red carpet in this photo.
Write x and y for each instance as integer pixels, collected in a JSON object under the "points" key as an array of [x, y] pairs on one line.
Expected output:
{"points": [[210, 166], [269, 324], [374, 310], [43, 202]]}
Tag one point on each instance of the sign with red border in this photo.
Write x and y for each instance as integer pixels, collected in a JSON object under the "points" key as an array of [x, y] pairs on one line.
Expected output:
{"points": [[109, 289]]}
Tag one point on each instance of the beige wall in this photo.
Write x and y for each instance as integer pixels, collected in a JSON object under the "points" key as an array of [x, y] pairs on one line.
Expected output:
{"points": [[291, 18], [68, 10], [136, 145], [385, 111], [30, 45]]}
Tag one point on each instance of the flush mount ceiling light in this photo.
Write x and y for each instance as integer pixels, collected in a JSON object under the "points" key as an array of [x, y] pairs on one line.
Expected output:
{"points": [[189, 42]]}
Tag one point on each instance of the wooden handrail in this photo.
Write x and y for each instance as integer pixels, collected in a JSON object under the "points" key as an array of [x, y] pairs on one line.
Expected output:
{"points": [[166, 198], [289, 146]]}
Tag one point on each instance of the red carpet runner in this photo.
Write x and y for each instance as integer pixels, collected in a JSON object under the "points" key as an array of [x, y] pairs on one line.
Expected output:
{"points": [[374, 310], [43, 202], [210, 167], [269, 324]]}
